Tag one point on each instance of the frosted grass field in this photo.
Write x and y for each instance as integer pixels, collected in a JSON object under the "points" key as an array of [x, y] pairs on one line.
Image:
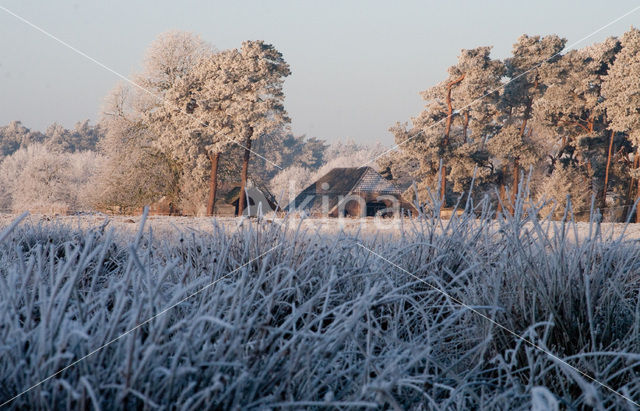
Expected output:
{"points": [[318, 321]]}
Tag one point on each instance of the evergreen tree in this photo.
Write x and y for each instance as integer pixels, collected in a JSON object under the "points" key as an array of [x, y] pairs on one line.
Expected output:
{"points": [[572, 107], [438, 139], [256, 107], [229, 97], [83, 137], [621, 91], [422, 143], [478, 96], [531, 55]]}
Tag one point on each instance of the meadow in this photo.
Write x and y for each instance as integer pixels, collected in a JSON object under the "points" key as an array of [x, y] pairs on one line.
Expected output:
{"points": [[474, 312]]}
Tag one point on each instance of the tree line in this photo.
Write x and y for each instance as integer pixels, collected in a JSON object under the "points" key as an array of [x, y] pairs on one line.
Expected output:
{"points": [[564, 122], [569, 120], [48, 171]]}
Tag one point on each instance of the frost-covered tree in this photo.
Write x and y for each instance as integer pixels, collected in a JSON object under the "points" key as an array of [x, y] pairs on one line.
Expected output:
{"points": [[479, 92], [176, 132], [170, 57], [440, 101], [255, 106], [225, 98], [190, 126], [197, 103], [40, 180], [422, 144], [15, 136], [134, 172], [10, 170], [565, 183], [43, 182], [447, 139], [572, 106], [621, 90], [82, 138], [530, 56], [137, 171], [577, 110], [478, 96]]}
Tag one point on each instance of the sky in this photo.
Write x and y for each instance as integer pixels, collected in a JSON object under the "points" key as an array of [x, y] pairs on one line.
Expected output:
{"points": [[357, 66]]}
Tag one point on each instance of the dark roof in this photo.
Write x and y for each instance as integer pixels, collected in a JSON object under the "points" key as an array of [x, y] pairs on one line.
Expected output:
{"points": [[341, 182], [335, 183], [231, 196]]}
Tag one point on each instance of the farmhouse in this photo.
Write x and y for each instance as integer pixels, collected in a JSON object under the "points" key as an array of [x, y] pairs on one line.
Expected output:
{"points": [[353, 192]]}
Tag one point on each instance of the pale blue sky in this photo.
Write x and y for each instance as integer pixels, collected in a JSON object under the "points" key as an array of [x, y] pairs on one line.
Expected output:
{"points": [[357, 65]]}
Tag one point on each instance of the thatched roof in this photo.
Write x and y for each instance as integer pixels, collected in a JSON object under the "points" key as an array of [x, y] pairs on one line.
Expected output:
{"points": [[342, 182]]}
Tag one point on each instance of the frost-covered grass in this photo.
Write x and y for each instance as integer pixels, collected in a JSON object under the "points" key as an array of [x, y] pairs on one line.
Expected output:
{"points": [[319, 321]]}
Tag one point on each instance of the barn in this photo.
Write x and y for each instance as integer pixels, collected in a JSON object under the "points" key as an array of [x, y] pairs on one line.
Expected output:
{"points": [[352, 192], [260, 200]]}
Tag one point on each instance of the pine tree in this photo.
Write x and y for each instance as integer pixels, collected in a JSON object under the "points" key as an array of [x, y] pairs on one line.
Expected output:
{"points": [[422, 143], [621, 91], [478, 97], [572, 107], [255, 107], [177, 67], [530, 55], [230, 97], [443, 139]]}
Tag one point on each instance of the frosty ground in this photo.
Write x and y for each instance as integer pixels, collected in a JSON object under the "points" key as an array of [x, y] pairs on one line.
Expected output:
{"points": [[125, 226], [302, 313]]}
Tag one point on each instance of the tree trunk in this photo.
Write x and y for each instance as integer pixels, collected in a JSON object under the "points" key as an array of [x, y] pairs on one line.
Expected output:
{"points": [[245, 169], [516, 166], [636, 164], [638, 197], [213, 183], [445, 140], [465, 126], [443, 185], [606, 172], [516, 178], [502, 192]]}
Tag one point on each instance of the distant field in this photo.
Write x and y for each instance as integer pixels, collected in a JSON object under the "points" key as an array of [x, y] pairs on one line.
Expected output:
{"points": [[193, 313], [364, 226]]}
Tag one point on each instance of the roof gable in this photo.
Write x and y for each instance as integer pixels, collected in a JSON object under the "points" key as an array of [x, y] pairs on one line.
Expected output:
{"points": [[339, 180], [373, 182], [338, 183]]}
